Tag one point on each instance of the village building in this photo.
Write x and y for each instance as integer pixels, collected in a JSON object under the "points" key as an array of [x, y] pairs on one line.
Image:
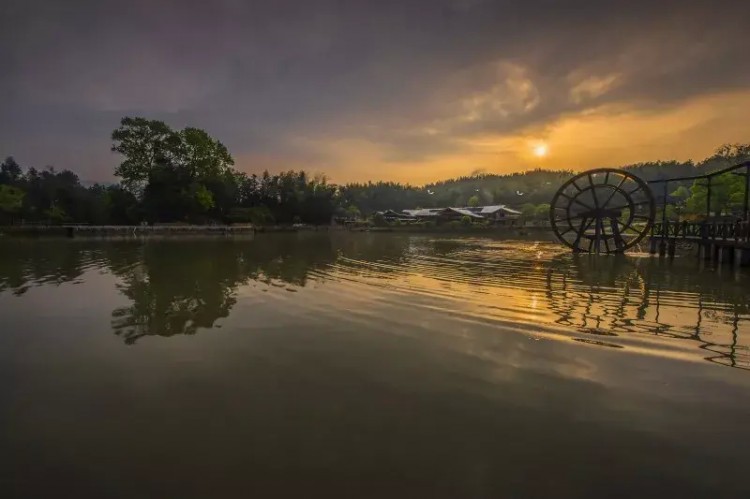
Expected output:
{"points": [[497, 214]]}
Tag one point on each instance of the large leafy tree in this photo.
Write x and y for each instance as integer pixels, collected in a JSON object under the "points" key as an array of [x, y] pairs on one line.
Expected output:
{"points": [[205, 157], [178, 174], [145, 144]]}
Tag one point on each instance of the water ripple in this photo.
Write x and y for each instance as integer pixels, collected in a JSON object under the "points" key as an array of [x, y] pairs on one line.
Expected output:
{"points": [[534, 287]]}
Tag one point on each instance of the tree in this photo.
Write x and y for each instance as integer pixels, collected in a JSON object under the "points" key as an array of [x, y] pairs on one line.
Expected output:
{"points": [[56, 214], [203, 198], [10, 172], [528, 211], [727, 193], [353, 212], [122, 206], [145, 144], [183, 175], [542, 211], [379, 220], [11, 201], [681, 193], [473, 201], [733, 153], [205, 157]]}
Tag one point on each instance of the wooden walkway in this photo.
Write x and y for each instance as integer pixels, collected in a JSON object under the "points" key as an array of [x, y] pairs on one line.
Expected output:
{"points": [[722, 242]]}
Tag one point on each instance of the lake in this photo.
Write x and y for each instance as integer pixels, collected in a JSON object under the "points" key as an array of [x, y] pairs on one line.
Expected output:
{"points": [[368, 365]]}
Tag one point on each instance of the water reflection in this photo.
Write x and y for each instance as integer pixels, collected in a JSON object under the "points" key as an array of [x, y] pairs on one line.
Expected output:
{"points": [[181, 289], [620, 295], [177, 287], [24, 264]]}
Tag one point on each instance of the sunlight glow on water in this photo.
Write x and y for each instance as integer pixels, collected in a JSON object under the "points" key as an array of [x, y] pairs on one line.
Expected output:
{"points": [[431, 365]]}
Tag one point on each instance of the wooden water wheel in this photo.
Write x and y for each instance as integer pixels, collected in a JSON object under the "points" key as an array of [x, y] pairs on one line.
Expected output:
{"points": [[602, 211]]}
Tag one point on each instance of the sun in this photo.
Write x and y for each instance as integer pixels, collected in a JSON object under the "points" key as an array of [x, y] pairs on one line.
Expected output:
{"points": [[540, 150]]}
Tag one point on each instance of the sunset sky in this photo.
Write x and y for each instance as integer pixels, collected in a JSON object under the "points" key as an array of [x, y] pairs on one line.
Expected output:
{"points": [[398, 90]]}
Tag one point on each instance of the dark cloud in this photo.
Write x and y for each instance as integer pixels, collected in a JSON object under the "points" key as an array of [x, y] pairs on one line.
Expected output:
{"points": [[414, 77]]}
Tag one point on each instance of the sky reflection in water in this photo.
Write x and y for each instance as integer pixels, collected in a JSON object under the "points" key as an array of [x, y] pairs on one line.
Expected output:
{"points": [[367, 365]]}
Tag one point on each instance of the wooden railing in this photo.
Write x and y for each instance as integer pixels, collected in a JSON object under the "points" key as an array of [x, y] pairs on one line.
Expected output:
{"points": [[735, 231]]}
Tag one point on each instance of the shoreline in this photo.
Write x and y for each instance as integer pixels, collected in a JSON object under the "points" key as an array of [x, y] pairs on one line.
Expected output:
{"points": [[230, 230]]}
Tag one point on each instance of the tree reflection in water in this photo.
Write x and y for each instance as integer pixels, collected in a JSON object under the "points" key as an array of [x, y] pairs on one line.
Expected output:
{"points": [[26, 263], [181, 288]]}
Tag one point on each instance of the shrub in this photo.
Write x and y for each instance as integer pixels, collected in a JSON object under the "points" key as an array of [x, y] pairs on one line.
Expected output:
{"points": [[379, 220], [259, 215]]}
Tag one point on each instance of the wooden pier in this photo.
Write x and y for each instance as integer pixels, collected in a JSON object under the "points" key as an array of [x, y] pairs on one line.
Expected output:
{"points": [[723, 240], [720, 242]]}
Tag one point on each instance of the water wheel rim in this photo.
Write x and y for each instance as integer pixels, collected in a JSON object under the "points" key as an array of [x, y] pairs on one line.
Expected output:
{"points": [[627, 241]]}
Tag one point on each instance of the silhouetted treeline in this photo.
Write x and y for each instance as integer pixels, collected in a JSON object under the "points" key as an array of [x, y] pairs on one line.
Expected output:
{"points": [[50, 196], [187, 176]]}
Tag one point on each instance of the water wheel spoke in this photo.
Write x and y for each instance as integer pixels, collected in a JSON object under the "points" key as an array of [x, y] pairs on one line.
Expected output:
{"points": [[593, 192], [565, 222], [629, 232], [629, 227], [619, 242], [638, 187], [582, 231], [597, 233], [577, 201], [614, 191]]}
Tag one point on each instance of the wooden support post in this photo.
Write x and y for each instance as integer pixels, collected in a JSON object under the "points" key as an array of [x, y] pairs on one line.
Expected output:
{"points": [[737, 260], [672, 246], [662, 247], [664, 227], [652, 246], [721, 257]]}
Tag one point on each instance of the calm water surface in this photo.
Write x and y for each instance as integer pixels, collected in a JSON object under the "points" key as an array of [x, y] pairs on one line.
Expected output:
{"points": [[368, 365]]}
